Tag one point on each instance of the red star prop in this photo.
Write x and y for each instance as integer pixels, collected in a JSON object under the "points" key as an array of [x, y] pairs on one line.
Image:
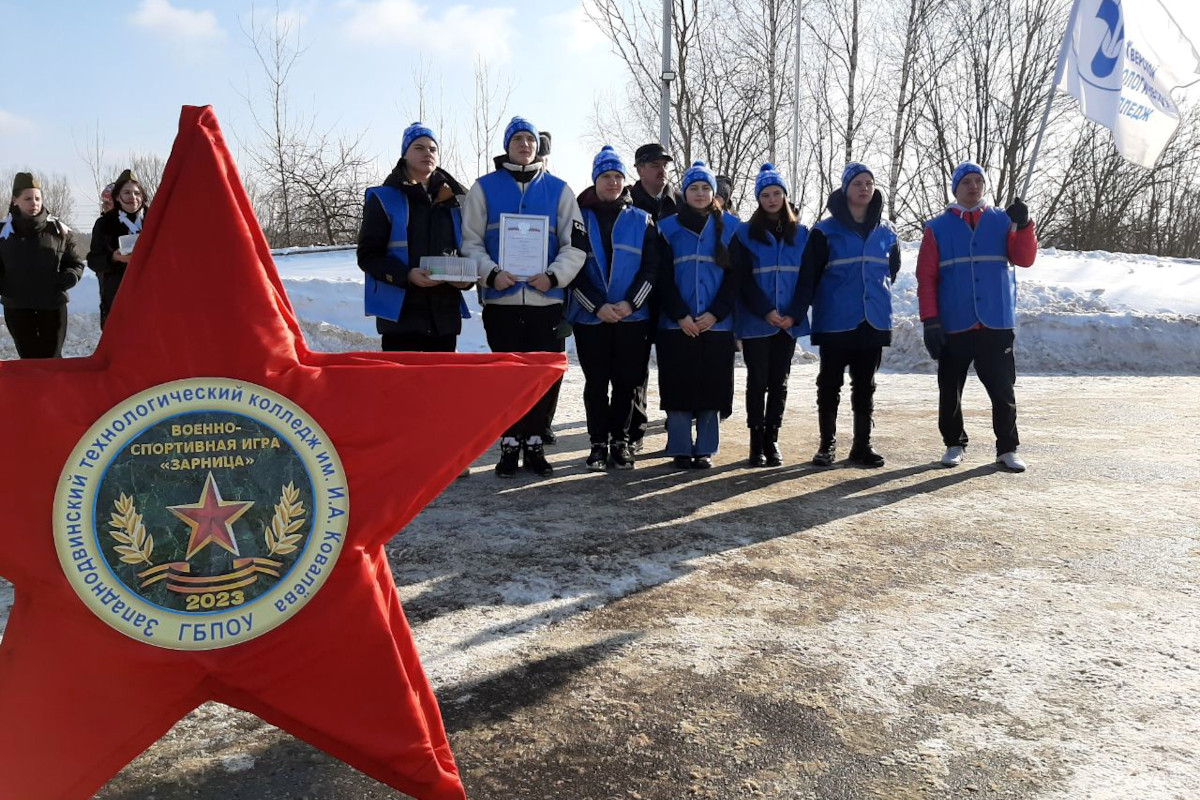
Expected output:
{"points": [[211, 520], [78, 698]]}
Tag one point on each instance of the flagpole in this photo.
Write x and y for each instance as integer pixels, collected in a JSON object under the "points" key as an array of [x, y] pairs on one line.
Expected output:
{"points": [[796, 105], [1058, 73]]}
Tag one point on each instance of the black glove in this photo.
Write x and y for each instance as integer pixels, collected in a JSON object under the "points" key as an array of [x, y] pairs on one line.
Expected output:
{"points": [[935, 337], [65, 280], [1018, 212]]}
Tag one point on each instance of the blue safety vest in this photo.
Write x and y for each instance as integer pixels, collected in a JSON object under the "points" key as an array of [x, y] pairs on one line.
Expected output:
{"points": [[504, 196], [857, 282], [776, 270], [628, 235], [976, 282], [697, 274], [382, 299]]}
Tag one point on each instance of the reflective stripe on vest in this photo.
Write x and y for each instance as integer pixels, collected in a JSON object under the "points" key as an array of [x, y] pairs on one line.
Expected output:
{"points": [[856, 285], [697, 275], [504, 196], [976, 283], [776, 270], [615, 276]]}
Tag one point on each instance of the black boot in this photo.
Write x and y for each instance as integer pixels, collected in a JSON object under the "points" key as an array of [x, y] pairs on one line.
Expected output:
{"points": [[535, 460], [771, 447], [757, 435], [597, 461], [827, 425], [861, 452], [510, 460]]}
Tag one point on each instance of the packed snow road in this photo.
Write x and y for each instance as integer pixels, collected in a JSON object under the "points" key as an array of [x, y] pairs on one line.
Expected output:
{"points": [[908, 632]]}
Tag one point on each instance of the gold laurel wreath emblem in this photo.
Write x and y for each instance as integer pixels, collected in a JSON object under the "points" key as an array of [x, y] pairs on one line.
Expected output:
{"points": [[280, 535], [136, 543]]}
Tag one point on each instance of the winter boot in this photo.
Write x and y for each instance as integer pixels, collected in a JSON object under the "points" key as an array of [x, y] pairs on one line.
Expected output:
{"points": [[620, 456], [827, 425], [597, 460], [861, 452], [535, 458], [510, 457], [771, 452], [757, 435]]}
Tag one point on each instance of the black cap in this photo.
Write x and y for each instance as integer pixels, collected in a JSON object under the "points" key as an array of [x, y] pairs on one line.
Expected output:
{"points": [[724, 186], [650, 152]]}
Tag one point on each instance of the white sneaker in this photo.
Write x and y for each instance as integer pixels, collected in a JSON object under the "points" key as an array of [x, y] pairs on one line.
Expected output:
{"points": [[953, 456], [1011, 462]]}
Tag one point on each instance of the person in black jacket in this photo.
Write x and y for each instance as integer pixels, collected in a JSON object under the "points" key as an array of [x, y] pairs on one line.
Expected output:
{"points": [[431, 313], [609, 309], [38, 264], [120, 225], [851, 259]]}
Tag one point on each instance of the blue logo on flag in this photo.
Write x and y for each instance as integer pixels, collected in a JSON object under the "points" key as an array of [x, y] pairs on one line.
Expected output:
{"points": [[1109, 51]]}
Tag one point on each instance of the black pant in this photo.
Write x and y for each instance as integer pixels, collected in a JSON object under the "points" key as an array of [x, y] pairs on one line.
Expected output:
{"points": [[637, 415], [527, 329], [37, 332], [419, 343], [992, 353], [768, 365], [863, 363], [611, 353]]}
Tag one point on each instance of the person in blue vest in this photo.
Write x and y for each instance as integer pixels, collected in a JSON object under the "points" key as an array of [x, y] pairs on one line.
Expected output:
{"points": [[766, 252], [698, 287], [523, 315], [413, 214], [967, 291], [851, 259], [609, 309]]}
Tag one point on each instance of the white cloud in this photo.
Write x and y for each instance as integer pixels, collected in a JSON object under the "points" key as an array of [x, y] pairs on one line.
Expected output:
{"points": [[178, 24], [576, 31], [451, 30], [12, 125]]}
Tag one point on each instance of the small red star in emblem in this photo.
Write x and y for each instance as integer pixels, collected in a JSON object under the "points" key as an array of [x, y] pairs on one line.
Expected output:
{"points": [[211, 519], [201, 298]]}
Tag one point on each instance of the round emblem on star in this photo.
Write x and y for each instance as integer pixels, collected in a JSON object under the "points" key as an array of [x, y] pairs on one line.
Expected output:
{"points": [[200, 514]]}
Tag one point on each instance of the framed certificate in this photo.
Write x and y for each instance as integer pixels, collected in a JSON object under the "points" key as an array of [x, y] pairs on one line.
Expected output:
{"points": [[524, 244]]}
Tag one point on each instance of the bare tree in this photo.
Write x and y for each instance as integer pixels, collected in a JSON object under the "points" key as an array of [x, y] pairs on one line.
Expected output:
{"points": [[491, 103]]}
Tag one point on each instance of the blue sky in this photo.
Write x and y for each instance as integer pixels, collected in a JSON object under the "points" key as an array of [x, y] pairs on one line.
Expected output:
{"points": [[129, 67]]}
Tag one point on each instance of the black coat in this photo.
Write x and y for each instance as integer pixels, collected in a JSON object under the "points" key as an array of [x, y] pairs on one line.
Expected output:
{"points": [[657, 207], [428, 311], [694, 374], [106, 234], [39, 262]]}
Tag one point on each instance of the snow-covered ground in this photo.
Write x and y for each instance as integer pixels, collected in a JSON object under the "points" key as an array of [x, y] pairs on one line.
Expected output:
{"points": [[1101, 313]]}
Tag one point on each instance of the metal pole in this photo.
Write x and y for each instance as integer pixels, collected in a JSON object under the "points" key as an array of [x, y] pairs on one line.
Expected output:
{"points": [[664, 108], [796, 105], [1058, 73]]}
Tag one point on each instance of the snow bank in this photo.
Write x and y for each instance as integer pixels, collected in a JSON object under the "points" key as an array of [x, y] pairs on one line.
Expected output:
{"points": [[1078, 312]]}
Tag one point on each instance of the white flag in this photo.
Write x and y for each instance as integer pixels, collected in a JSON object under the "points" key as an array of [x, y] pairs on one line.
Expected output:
{"points": [[1121, 61]]}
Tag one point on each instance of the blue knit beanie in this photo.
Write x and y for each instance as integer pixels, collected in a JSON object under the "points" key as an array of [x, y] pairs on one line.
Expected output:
{"points": [[515, 125], [963, 170], [414, 132], [697, 172], [852, 171], [768, 176], [607, 160]]}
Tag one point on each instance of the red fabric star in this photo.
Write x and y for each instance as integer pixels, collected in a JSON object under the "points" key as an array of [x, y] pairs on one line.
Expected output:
{"points": [[78, 699], [211, 519]]}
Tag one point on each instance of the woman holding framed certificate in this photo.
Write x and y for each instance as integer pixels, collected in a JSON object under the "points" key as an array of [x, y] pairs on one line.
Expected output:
{"points": [[695, 340]]}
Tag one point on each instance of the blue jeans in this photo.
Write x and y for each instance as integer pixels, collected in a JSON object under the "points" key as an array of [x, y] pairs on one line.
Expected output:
{"points": [[679, 433]]}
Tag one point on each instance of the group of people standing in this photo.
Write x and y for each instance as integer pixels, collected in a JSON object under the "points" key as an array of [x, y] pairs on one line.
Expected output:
{"points": [[40, 260], [629, 267]]}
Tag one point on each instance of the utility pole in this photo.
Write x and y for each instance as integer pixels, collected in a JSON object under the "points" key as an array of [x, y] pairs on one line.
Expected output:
{"points": [[668, 75]]}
